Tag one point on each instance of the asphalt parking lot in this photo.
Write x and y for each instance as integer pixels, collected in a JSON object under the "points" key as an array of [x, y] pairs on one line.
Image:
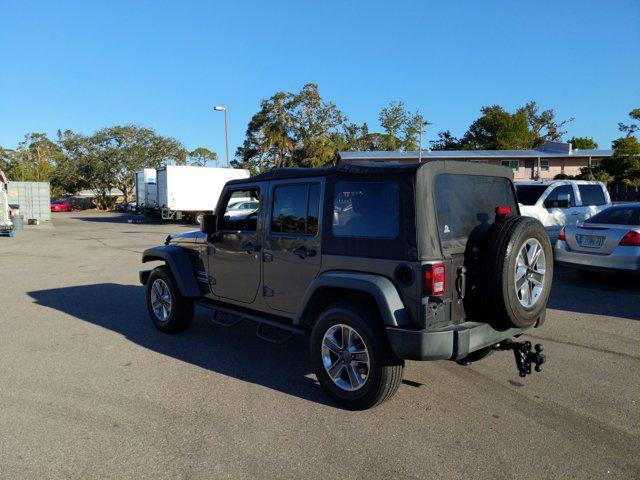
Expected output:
{"points": [[89, 388]]}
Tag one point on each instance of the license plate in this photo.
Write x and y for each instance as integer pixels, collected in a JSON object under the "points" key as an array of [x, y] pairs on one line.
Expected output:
{"points": [[589, 241]]}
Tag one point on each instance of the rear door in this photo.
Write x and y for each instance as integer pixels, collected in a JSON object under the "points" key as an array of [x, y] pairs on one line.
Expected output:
{"points": [[292, 254], [465, 209]]}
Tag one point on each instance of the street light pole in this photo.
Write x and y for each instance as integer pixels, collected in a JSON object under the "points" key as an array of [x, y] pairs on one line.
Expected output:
{"points": [[423, 123], [226, 128]]}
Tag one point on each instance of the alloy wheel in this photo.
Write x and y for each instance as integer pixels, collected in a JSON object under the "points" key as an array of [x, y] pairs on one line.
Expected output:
{"points": [[345, 357], [161, 300], [530, 271]]}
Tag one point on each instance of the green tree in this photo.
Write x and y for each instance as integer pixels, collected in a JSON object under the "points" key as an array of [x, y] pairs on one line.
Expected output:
{"points": [[201, 156], [445, 141], [497, 129], [526, 128], [624, 164], [319, 152], [276, 136], [35, 158], [67, 177], [401, 128], [583, 143], [125, 149], [543, 125], [632, 128]]}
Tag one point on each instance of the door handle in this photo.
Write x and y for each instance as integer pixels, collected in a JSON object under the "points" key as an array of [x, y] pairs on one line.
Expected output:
{"points": [[303, 252], [251, 248]]}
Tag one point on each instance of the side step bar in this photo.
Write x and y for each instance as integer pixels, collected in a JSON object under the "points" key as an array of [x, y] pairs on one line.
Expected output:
{"points": [[260, 320]]}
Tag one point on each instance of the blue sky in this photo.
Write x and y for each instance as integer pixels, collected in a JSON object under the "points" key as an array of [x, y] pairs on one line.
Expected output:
{"points": [[86, 65]]}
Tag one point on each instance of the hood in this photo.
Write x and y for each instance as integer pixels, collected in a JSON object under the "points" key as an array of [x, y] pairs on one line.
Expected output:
{"points": [[186, 237]]}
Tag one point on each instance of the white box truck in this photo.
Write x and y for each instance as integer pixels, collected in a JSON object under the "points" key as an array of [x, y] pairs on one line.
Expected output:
{"points": [[146, 191], [186, 192]]}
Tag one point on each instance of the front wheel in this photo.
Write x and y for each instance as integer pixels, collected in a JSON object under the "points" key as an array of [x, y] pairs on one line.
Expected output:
{"points": [[168, 309], [352, 358]]}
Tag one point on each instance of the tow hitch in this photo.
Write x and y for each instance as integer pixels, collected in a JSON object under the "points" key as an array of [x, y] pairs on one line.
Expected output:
{"points": [[523, 355]]}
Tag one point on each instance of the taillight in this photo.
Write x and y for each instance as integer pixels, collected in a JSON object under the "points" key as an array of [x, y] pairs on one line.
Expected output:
{"points": [[562, 236], [434, 279], [503, 211], [631, 239]]}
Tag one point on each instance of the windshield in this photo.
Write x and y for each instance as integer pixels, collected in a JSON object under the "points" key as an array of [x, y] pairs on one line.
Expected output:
{"points": [[529, 194], [619, 215]]}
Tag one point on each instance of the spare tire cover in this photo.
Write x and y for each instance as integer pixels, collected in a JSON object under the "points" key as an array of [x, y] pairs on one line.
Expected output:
{"points": [[517, 265]]}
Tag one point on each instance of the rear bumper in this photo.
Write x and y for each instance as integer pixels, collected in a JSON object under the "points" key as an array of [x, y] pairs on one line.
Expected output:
{"points": [[453, 342], [622, 259]]}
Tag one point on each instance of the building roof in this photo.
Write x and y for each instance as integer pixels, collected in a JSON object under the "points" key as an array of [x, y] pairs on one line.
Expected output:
{"points": [[471, 154]]}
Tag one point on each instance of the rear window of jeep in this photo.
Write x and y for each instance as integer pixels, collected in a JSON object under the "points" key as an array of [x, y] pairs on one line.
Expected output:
{"points": [[467, 203]]}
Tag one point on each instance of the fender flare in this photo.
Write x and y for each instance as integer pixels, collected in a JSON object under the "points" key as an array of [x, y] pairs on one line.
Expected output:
{"points": [[380, 288], [177, 259]]}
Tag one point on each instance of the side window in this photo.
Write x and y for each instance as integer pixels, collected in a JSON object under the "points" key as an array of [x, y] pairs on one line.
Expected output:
{"points": [[366, 209], [592, 195], [553, 198], [237, 219], [295, 209]]}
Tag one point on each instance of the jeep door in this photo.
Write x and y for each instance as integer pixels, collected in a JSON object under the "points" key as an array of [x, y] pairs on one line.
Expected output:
{"points": [[234, 250], [292, 242]]}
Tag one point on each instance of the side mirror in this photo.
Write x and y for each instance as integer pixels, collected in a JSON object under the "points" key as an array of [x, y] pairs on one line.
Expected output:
{"points": [[209, 224]]}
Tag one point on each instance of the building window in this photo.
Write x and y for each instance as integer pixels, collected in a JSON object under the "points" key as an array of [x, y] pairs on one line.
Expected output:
{"points": [[544, 165], [479, 161], [512, 164], [594, 162]]}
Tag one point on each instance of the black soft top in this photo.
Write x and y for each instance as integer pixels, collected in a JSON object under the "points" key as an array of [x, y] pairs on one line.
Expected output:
{"points": [[355, 168]]}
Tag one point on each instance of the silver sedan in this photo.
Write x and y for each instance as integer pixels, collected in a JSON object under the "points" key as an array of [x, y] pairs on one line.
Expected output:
{"points": [[608, 241]]}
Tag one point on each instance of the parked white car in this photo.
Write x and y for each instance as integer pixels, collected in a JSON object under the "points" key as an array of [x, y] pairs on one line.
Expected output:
{"points": [[558, 203]]}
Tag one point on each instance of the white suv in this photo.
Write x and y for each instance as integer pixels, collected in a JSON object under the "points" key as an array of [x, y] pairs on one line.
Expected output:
{"points": [[558, 203]]}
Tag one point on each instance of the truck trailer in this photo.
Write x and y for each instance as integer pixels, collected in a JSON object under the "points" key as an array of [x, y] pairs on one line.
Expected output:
{"points": [[146, 191], [186, 192]]}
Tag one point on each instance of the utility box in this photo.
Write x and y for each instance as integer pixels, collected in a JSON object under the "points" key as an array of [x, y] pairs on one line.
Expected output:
{"points": [[32, 199]]}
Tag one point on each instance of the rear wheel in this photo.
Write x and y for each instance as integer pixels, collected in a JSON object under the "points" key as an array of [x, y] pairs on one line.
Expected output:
{"points": [[168, 309], [352, 359]]}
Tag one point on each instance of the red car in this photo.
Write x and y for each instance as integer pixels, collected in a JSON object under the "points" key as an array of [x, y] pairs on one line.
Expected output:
{"points": [[61, 207]]}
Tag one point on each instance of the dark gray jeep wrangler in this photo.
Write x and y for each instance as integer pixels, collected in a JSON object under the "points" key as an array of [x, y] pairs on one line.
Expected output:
{"points": [[377, 263]]}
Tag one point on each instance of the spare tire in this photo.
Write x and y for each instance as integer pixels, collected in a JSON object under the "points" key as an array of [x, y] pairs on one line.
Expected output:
{"points": [[516, 272]]}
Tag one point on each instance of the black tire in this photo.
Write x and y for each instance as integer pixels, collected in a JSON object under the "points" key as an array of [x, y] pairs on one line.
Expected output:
{"points": [[384, 375], [502, 301], [179, 308]]}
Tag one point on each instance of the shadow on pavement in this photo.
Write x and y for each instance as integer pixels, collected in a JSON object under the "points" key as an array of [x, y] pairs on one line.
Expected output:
{"points": [[235, 352], [605, 294]]}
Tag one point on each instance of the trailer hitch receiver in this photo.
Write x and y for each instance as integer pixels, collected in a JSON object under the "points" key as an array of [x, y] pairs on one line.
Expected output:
{"points": [[523, 355]]}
